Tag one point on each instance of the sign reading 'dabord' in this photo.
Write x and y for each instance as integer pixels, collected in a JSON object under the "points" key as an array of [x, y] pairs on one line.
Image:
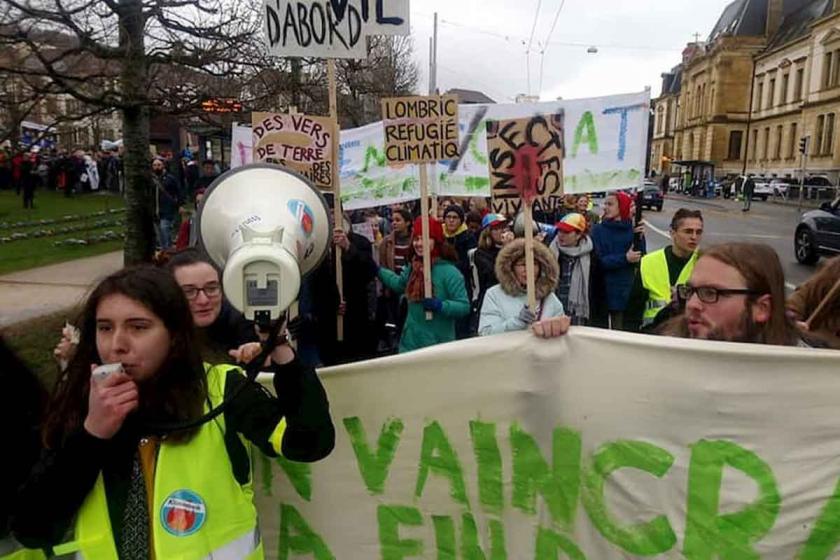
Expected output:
{"points": [[420, 129], [331, 28], [300, 142]]}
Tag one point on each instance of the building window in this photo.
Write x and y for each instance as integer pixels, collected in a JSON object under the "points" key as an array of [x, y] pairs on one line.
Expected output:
{"points": [[754, 145], [793, 146], [765, 151], [660, 118], [735, 139], [828, 143], [777, 154], [771, 94], [698, 99], [826, 75], [784, 93], [834, 68], [818, 147], [800, 81], [760, 96]]}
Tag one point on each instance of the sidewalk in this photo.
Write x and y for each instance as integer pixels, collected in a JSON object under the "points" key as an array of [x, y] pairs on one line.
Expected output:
{"points": [[41, 291]]}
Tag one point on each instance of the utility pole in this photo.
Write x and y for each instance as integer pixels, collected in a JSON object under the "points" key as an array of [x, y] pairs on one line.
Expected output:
{"points": [[433, 44], [804, 142]]}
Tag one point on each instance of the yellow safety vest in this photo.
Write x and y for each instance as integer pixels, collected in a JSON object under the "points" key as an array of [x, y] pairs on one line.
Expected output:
{"points": [[200, 510], [657, 282]]}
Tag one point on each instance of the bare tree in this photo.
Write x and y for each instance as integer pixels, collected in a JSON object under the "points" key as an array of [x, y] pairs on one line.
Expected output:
{"points": [[132, 56], [389, 71]]}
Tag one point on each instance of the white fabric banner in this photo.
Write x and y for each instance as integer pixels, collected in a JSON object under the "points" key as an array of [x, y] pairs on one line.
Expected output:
{"points": [[605, 149], [599, 445]]}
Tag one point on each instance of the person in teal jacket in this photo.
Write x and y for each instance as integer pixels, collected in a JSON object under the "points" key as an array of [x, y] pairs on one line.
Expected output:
{"points": [[449, 300]]}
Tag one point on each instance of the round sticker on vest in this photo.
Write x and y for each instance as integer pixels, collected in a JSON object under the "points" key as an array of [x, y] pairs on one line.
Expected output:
{"points": [[183, 513]]}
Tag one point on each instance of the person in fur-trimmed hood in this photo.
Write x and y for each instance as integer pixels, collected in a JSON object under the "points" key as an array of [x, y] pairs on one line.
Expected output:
{"points": [[505, 306]]}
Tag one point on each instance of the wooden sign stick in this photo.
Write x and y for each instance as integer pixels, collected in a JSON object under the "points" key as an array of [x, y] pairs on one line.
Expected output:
{"points": [[424, 213], [529, 258], [833, 293], [338, 215]]}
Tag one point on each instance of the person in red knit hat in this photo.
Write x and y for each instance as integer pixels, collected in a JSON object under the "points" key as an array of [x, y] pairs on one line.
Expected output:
{"points": [[449, 300], [617, 259]]}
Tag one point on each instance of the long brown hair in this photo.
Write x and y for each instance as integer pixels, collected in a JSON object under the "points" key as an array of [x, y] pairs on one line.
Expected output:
{"points": [[177, 392], [760, 266]]}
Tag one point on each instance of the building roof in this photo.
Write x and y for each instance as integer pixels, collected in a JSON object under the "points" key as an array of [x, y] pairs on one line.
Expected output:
{"points": [[748, 18], [741, 18], [469, 96], [797, 24], [671, 81]]}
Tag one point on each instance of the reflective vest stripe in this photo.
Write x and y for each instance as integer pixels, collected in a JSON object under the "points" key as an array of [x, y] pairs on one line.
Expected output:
{"points": [[199, 510], [246, 547], [657, 281]]}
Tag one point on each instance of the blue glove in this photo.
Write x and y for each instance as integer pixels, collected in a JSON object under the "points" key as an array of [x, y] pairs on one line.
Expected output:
{"points": [[525, 315], [432, 304]]}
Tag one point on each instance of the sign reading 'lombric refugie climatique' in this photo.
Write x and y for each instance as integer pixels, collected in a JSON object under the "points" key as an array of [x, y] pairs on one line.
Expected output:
{"points": [[420, 129]]}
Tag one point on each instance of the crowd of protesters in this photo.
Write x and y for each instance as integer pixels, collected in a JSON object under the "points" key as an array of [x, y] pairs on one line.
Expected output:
{"points": [[592, 269], [69, 172]]}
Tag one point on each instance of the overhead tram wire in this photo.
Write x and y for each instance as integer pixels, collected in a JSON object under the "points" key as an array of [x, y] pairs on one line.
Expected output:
{"points": [[530, 43], [546, 43], [519, 39]]}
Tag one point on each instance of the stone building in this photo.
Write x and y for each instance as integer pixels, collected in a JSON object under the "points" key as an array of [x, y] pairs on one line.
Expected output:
{"points": [[768, 75], [797, 95]]}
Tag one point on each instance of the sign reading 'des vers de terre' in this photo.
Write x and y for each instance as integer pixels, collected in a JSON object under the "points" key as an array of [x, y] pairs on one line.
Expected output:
{"points": [[300, 142]]}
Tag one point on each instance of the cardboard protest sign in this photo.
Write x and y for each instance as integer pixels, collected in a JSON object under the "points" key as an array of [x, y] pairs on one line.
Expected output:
{"points": [[599, 445], [526, 163], [300, 142], [420, 129], [331, 28], [604, 137]]}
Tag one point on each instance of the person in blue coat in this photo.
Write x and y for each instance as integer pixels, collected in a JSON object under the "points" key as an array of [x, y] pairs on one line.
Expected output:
{"points": [[617, 260]]}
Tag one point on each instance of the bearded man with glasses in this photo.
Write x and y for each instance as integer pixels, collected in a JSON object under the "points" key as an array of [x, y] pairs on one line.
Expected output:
{"points": [[737, 294]]}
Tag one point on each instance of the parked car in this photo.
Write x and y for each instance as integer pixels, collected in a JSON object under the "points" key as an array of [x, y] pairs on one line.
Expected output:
{"points": [[780, 187], [818, 233], [819, 186], [652, 198], [762, 190]]}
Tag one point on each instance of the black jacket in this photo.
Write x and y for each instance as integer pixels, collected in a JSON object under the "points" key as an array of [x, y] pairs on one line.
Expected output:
{"points": [[485, 264], [21, 402], [63, 477]]}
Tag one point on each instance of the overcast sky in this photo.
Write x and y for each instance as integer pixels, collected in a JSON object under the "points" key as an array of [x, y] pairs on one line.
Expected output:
{"points": [[482, 44]]}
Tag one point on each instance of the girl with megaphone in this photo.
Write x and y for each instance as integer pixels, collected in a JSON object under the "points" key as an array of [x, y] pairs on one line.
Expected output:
{"points": [[128, 491]]}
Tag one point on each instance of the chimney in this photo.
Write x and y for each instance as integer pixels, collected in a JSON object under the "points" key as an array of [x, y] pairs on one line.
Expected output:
{"points": [[775, 11]]}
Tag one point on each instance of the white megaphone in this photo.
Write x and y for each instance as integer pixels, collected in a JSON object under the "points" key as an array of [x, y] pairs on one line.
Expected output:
{"points": [[266, 227]]}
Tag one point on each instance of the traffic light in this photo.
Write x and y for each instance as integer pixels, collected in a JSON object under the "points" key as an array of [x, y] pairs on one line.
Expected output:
{"points": [[803, 145]]}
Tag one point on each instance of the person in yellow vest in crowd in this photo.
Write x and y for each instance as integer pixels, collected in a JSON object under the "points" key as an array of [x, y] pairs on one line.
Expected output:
{"points": [[108, 487], [662, 270]]}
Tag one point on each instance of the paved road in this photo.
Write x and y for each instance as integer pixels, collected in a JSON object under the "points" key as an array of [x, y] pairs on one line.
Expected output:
{"points": [[767, 222], [41, 291]]}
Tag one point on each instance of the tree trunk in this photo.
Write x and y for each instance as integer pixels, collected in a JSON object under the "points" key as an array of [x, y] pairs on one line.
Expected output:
{"points": [[139, 196]]}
